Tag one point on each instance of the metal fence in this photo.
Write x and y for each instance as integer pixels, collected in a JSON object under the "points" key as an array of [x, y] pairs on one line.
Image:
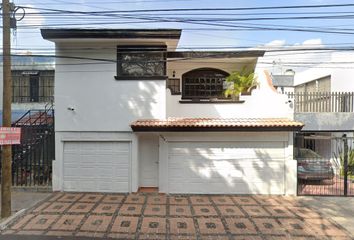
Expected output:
{"points": [[325, 164], [323, 101], [32, 160]]}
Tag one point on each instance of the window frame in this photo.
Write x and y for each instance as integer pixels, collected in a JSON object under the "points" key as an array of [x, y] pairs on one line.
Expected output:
{"points": [[23, 83], [142, 48], [197, 98]]}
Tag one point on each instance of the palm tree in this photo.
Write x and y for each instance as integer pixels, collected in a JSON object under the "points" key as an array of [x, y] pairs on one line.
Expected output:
{"points": [[239, 82]]}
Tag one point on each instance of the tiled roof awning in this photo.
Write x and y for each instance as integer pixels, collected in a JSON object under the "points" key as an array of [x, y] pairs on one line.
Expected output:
{"points": [[215, 124]]}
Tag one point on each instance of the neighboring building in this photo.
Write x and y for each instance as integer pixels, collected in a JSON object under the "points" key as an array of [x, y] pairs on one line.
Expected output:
{"points": [[319, 85], [323, 99], [131, 112], [32, 85]]}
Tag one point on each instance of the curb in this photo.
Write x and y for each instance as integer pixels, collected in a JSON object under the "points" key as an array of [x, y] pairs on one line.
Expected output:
{"points": [[11, 219]]}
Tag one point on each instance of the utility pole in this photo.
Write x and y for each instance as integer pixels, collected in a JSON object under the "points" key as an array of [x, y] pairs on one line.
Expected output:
{"points": [[6, 156]]}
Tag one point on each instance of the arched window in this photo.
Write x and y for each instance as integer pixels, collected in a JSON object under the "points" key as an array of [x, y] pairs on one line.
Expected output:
{"points": [[203, 83]]}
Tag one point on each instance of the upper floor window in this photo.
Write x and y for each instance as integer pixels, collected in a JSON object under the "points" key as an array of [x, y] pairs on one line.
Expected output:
{"points": [[141, 62], [203, 83], [32, 86], [174, 85]]}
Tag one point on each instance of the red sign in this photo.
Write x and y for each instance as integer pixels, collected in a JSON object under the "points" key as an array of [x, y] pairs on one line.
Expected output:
{"points": [[10, 135]]}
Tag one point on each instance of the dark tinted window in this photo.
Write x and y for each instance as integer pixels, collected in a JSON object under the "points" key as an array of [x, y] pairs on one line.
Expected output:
{"points": [[142, 62]]}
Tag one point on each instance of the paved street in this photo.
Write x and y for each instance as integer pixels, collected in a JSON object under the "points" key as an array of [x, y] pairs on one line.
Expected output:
{"points": [[151, 216]]}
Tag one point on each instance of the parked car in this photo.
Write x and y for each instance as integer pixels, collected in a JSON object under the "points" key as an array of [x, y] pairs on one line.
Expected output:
{"points": [[312, 166]]}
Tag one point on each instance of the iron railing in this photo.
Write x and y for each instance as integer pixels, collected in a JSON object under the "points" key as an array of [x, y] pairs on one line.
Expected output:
{"points": [[32, 159], [323, 101]]}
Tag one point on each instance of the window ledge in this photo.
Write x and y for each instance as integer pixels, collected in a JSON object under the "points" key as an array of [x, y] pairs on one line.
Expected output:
{"points": [[210, 101]]}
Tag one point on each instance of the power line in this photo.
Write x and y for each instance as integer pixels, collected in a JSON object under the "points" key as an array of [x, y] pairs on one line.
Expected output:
{"points": [[204, 9]]}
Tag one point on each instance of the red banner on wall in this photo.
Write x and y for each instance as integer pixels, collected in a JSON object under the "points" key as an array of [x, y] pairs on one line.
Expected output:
{"points": [[10, 135]]}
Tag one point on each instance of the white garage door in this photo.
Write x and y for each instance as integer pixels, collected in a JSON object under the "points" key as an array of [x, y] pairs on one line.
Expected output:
{"points": [[226, 167], [96, 166]]}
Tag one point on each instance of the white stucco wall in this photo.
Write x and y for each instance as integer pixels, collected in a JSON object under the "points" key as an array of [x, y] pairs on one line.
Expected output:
{"points": [[100, 102], [263, 103]]}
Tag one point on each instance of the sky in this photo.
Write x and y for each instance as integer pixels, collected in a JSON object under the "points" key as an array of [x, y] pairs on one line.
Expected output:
{"points": [[27, 37]]}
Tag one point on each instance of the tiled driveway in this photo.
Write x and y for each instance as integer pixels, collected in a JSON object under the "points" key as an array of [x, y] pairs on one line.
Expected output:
{"points": [[151, 216]]}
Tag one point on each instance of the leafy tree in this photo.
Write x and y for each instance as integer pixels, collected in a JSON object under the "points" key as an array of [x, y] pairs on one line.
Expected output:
{"points": [[340, 156], [239, 82]]}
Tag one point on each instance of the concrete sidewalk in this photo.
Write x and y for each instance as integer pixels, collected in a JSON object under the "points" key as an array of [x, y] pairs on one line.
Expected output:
{"points": [[339, 209], [25, 199]]}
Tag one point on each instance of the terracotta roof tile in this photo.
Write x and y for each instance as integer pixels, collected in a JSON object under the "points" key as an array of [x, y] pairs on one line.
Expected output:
{"points": [[237, 123]]}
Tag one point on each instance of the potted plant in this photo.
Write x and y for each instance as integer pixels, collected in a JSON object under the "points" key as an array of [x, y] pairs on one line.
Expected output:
{"points": [[240, 82]]}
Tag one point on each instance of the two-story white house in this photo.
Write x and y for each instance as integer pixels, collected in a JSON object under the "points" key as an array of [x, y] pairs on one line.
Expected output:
{"points": [[134, 113]]}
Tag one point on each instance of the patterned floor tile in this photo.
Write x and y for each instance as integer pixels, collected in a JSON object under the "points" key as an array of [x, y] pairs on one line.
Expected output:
{"points": [[81, 208], [222, 200], [121, 236], [30, 232], [23, 221], [153, 216], [123, 224], [228, 211], [113, 199], [244, 201], [42, 207], [130, 209], [180, 210], [204, 210], [182, 237], [70, 197], [210, 226], [296, 226], [91, 235], [60, 233], [135, 198], [153, 225], [158, 199], [57, 207], [279, 211], [240, 226], [255, 211], [41, 222], [155, 210], [96, 223], [106, 208], [200, 200], [182, 226], [214, 237], [269, 226], [91, 198], [305, 212], [248, 237], [150, 236], [268, 200], [178, 200], [55, 197], [68, 222]]}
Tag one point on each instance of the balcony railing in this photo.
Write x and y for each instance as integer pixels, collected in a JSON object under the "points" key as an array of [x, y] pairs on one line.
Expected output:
{"points": [[323, 101]]}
